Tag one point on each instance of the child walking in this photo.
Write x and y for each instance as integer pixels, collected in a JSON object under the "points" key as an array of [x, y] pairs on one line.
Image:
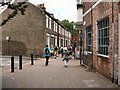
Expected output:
{"points": [[65, 56]]}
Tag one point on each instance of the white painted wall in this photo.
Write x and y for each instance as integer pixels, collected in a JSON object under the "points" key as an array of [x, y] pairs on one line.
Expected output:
{"points": [[79, 15]]}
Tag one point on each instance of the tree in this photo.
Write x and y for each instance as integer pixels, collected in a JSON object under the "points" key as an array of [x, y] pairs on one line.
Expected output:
{"points": [[69, 26], [16, 7]]}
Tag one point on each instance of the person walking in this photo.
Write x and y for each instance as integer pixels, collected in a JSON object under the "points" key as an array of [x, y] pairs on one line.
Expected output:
{"points": [[52, 53], [47, 54], [65, 56], [61, 51], [55, 52]]}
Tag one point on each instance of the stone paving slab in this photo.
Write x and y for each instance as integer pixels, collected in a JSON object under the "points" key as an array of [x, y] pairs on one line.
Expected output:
{"points": [[55, 75]]}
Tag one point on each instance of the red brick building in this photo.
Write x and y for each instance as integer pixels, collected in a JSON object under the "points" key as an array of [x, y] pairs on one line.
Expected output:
{"points": [[101, 38]]}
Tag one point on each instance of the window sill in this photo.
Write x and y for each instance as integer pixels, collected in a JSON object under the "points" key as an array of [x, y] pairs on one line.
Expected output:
{"points": [[89, 52], [103, 55]]}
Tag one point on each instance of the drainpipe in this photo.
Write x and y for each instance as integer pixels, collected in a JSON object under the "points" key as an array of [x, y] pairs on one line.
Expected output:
{"points": [[119, 51], [92, 35], [119, 45], [112, 43]]}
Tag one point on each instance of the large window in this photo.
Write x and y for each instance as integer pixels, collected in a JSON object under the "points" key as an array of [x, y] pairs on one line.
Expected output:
{"points": [[89, 38], [61, 42], [103, 36]]}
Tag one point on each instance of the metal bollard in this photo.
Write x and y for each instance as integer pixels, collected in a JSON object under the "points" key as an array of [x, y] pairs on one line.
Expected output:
{"points": [[12, 64], [32, 59], [20, 62]]}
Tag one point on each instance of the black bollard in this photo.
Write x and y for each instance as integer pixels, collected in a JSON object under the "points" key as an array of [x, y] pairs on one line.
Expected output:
{"points": [[12, 64], [20, 62], [31, 59]]}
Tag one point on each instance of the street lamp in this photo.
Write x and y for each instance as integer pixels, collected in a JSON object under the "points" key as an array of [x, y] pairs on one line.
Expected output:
{"points": [[79, 25], [8, 39]]}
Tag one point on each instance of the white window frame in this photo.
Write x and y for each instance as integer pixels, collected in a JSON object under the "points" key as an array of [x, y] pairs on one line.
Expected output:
{"points": [[56, 27], [101, 30], [46, 21], [60, 29], [50, 22]]}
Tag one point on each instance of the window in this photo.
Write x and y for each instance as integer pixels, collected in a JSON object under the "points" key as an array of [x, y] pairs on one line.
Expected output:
{"points": [[59, 29], [50, 22], [52, 41], [61, 42], [62, 31], [54, 25], [103, 36], [89, 38], [66, 43], [46, 21]]}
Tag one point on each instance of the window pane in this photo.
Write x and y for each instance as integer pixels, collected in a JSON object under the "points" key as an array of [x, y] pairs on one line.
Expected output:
{"points": [[89, 38], [103, 36]]}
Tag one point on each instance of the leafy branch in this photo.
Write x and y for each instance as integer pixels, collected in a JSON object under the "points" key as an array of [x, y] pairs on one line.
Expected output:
{"points": [[19, 7]]}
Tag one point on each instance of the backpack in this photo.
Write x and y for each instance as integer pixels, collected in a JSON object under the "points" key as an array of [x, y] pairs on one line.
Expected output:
{"points": [[46, 51]]}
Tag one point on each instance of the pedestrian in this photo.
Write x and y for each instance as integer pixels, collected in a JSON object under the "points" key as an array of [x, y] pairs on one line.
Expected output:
{"points": [[47, 54], [61, 51], [52, 53], [55, 52], [70, 51], [65, 56]]}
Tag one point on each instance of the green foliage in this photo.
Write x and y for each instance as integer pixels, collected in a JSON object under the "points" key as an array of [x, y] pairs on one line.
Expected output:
{"points": [[69, 26], [19, 7]]}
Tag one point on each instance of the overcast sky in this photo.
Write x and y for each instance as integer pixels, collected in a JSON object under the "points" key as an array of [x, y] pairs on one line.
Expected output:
{"points": [[62, 9]]}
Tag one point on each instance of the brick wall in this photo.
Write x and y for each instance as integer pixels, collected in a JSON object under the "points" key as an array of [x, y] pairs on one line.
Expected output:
{"points": [[101, 64], [26, 32], [87, 5]]}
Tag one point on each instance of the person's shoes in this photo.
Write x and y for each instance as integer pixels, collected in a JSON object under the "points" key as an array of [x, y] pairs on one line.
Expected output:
{"points": [[65, 66]]}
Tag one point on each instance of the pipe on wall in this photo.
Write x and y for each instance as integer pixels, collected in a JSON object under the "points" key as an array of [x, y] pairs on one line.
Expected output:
{"points": [[119, 49]]}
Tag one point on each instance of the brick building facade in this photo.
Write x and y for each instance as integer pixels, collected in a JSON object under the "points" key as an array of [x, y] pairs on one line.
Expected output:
{"points": [[30, 33], [98, 38]]}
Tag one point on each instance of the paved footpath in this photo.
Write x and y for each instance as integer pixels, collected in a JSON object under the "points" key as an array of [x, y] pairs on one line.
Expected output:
{"points": [[55, 75]]}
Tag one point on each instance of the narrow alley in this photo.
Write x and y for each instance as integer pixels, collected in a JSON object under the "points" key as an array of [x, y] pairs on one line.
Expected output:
{"points": [[55, 75]]}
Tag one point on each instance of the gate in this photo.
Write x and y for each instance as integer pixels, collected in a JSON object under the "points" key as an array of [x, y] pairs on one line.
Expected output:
{"points": [[87, 59]]}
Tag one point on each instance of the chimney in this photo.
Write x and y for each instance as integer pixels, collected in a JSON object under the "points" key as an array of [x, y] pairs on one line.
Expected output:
{"points": [[51, 15], [41, 6], [79, 11]]}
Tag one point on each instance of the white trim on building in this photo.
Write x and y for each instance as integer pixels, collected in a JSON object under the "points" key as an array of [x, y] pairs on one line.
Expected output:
{"points": [[92, 7]]}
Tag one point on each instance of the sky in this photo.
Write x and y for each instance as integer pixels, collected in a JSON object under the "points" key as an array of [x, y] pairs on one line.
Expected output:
{"points": [[62, 9]]}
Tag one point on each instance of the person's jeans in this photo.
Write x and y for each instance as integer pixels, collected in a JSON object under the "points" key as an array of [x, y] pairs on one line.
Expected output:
{"points": [[47, 58]]}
